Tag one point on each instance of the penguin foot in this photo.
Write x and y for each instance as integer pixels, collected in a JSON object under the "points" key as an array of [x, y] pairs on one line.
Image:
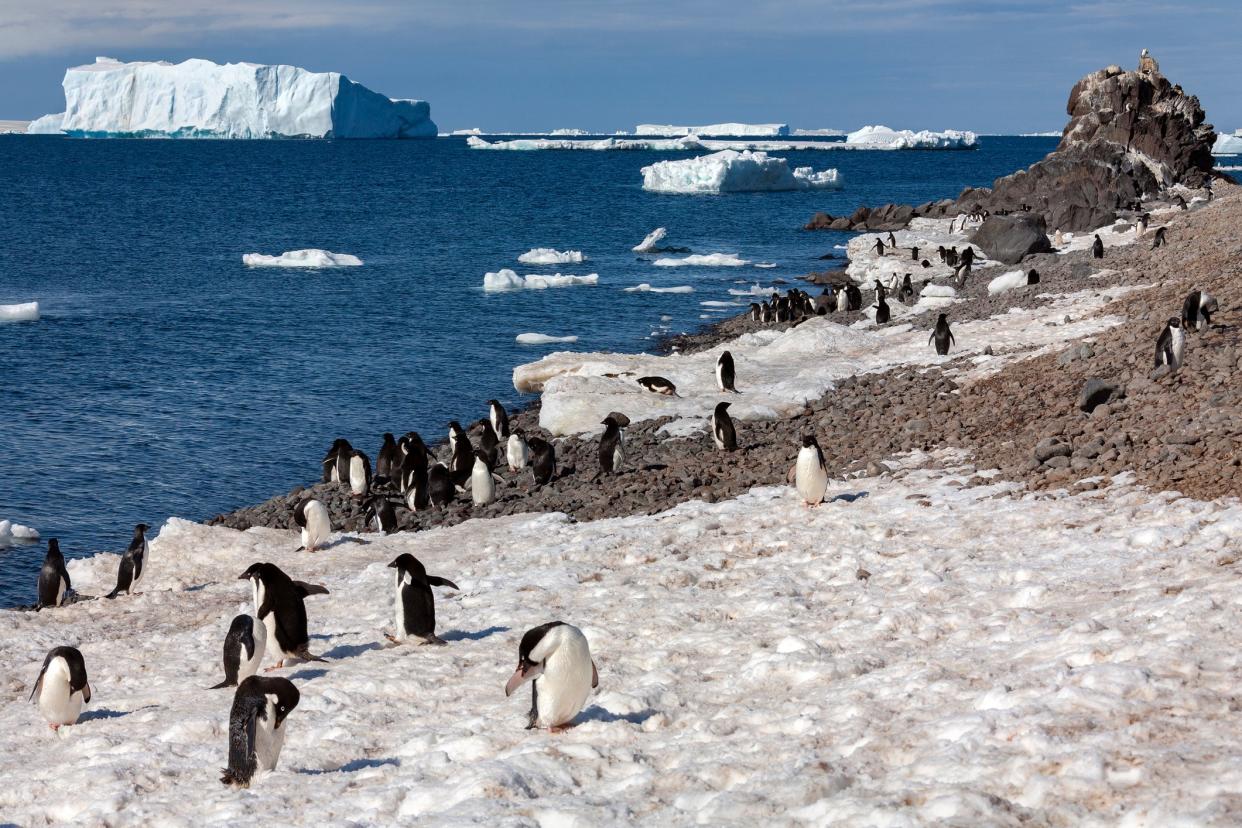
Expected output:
{"points": [[435, 641], [277, 666], [392, 638], [561, 728], [55, 727]]}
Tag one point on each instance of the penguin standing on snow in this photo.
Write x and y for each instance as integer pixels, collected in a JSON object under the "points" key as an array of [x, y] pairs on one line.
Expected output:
{"points": [[1170, 345], [611, 446], [62, 687], [1097, 247], [243, 650], [313, 519], [879, 246], [359, 474], [482, 483], [440, 489], [724, 372], [906, 292], [810, 474], [257, 727], [499, 418], [133, 563], [557, 659], [280, 603], [380, 515], [882, 312], [723, 433], [943, 335], [517, 452], [54, 582], [388, 461], [416, 605], [1197, 310], [542, 460]]}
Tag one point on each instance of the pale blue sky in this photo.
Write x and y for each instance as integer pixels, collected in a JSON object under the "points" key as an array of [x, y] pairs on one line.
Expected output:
{"points": [[1004, 66]]}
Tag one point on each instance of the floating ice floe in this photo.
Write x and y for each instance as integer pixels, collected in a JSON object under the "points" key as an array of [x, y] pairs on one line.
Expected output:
{"points": [[703, 260], [717, 303], [546, 255], [881, 137], [646, 288], [201, 99], [648, 245], [11, 533], [22, 312], [310, 257], [506, 279], [730, 129], [730, 171], [1227, 145], [753, 290], [542, 339]]}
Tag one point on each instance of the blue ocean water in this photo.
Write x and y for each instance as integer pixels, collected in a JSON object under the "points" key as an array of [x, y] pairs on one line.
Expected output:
{"points": [[165, 378]]}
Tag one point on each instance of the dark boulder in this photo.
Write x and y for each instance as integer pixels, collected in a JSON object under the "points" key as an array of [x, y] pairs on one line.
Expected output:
{"points": [[1097, 392], [1007, 239]]}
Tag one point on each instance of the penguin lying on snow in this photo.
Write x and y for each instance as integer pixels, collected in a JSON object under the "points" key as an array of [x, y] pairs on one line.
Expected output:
{"points": [[62, 687], [415, 603], [810, 474], [316, 525], [280, 603], [257, 727], [132, 563], [658, 385], [54, 582], [557, 659], [243, 650]]}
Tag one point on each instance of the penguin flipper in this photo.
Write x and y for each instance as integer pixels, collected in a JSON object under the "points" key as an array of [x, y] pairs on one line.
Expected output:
{"points": [[225, 683], [594, 675], [124, 576], [436, 580], [533, 718], [311, 589]]}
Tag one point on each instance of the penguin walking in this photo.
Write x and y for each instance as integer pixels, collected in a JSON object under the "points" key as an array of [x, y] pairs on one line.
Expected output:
{"points": [[380, 514], [482, 482], [359, 474], [54, 582], [723, 433], [243, 650], [440, 489], [388, 461], [658, 385], [943, 335], [906, 293], [280, 603], [725, 376], [1170, 345], [62, 687], [517, 452], [556, 658], [1197, 310], [542, 460], [1097, 247], [810, 474], [415, 603], [257, 727], [1158, 240], [611, 447], [133, 563], [879, 246], [499, 418], [316, 524], [489, 442]]}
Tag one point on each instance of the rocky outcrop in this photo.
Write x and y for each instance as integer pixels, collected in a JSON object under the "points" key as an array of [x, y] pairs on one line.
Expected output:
{"points": [[1131, 136], [1008, 239]]}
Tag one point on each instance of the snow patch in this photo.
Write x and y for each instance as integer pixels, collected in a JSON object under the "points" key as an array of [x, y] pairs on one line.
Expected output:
{"points": [[648, 244], [730, 171], [729, 129], [310, 257]]}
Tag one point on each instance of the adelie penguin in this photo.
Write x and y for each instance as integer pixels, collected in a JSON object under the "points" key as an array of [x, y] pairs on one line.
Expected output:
{"points": [[882, 312], [280, 603], [810, 474], [415, 603], [557, 659], [1097, 247], [243, 650], [517, 452], [499, 418], [54, 582], [311, 516], [482, 480], [542, 460], [359, 474], [723, 433], [611, 446], [724, 372], [658, 385], [257, 727], [133, 563], [489, 442], [388, 461], [1158, 240], [942, 335], [1170, 345], [336, 462], [461, 455], [1197, 310], [62, 687], [380, 514], [440, 487]]}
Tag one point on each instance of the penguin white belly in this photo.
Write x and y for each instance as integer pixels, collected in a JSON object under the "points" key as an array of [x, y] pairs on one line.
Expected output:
{"points": [[565, 685], [357, 476], [411, 498], [399, 606], [60, 590], [273, 646], [1179, 346], [842, 301], [810, 477], [247, 667], [618, 454], [518, 454], [720, 383], [318, 525], [482, 487], [140, 566], [268, 740], [716, 433], [56, 703]]}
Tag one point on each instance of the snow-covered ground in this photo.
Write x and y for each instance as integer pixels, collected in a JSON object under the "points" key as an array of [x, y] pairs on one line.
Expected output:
{"points": [[729, 171], [892, 657], [311, 257], [777, 371], [927, 235]]}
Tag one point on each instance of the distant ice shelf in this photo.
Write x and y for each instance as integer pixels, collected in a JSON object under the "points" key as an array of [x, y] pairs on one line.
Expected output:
{"points": [[731, 129], [1227, 145], [729, 171], [201, 99]]}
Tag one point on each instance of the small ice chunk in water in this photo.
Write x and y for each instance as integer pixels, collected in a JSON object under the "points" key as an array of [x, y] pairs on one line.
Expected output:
{"points": [[703, 260], [546, 255], [24, 312], [653, 238], [310, 257], [542, 339]]}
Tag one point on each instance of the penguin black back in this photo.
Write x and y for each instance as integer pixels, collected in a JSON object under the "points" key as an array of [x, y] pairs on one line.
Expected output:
{"points": [[499, 419], [488, 442], [723, 432], [440, 485], [943, 335], [418, 608], [51, 575], [239, 644], [542, 459], [249, 707], [388, 461]]}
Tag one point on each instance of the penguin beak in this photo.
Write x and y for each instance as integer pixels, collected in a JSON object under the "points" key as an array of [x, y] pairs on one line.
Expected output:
{"points": [[521, 675]]}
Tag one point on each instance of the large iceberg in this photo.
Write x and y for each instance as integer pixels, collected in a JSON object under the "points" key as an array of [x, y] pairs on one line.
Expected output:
{"points": [[729, 171], [201, 99], [1227, 145], [881, 137], [767, 130]]}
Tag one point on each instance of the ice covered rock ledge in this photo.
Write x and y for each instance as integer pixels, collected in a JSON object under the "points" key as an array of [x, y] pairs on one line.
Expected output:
{"points": [[201, 99]]}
